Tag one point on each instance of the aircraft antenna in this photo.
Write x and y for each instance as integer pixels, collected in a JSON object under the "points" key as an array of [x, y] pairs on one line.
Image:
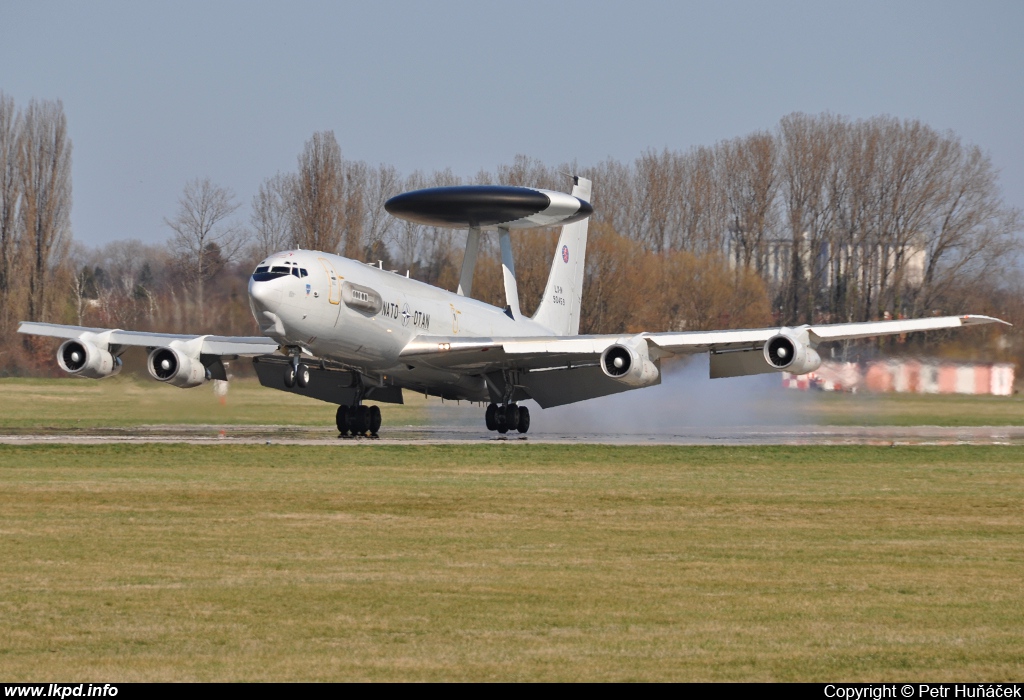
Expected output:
{"points": [[575, 178]]}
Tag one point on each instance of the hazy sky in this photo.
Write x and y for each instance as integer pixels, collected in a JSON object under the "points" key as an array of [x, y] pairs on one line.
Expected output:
{"points": [[160, 94]]}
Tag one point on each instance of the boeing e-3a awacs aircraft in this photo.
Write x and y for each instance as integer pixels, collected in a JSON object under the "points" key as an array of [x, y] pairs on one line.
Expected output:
{"points": [[346, 332]]}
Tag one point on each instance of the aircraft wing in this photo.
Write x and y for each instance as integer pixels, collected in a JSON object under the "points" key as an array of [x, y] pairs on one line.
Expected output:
{"points": [[550, 352], [714, 341], [557, 370], [543, 352], [221, 346]]}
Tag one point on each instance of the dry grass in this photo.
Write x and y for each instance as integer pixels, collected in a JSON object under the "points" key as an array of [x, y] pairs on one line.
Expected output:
{"points": [[516, 561]]}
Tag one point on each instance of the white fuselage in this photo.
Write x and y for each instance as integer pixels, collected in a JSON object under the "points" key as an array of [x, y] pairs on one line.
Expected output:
{"points": [[318, 314]]}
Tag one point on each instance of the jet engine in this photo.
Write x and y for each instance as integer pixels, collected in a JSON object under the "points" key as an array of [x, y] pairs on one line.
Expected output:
{"points": [[176, 368], [83, 359], [783, 352], [630, 364]]}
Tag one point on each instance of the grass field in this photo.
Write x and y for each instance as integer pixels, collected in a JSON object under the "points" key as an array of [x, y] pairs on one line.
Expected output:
{"points": [[63, 405], [911, 409], [510, 561]]}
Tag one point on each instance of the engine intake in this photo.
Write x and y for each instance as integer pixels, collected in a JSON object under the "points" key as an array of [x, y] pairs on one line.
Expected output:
{"points": [[171, 366], [783, 352], [630, 364], [80, 358]]}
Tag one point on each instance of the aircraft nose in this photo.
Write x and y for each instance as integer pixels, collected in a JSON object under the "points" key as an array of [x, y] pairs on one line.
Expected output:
{"points": [[264, 294]]}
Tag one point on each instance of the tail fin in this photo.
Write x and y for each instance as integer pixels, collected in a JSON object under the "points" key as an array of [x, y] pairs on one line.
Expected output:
{"points": [[559, 309]]}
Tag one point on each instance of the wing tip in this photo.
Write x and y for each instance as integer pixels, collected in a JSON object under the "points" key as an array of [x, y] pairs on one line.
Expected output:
{"points": [[978, 319]]}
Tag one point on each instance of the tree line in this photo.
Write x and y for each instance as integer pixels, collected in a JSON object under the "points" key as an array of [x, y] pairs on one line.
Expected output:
{"points": [[844, 220], [821, 219]]}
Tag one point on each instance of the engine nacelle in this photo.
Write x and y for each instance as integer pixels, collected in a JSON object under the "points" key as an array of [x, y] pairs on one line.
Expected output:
{"points": [[81, 358], [630, 364], [175, 368], [784, 352]]}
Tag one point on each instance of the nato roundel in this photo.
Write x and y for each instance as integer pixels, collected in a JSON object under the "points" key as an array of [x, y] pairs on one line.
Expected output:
{"points": [[488, 206]]}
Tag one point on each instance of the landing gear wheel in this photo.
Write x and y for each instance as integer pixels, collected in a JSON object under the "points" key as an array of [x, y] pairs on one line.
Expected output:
{"points": [[499, 420], [289, 377], [341, 419], [524, 419], [512, 416], [357, 420], [302, 376], [490, 417], [373, 419]]}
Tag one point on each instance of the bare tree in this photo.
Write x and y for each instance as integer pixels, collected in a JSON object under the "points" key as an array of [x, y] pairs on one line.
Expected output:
{"points": [[319, 195], [971, 237], [659, 186], [851, 184], [203, 238], [385, 183], [618, 197], [356, 184], [10, 198], [406, 235], [45, 164], [808, 148], [529, 172], [271, 215], [702, 220], [749, 177]]}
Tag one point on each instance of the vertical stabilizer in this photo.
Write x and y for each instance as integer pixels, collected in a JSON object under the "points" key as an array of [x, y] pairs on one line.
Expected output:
{"points": [[559, 309]]}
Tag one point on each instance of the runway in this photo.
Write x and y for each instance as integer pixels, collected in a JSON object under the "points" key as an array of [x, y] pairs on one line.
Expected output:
{"points": [[461, 435]]}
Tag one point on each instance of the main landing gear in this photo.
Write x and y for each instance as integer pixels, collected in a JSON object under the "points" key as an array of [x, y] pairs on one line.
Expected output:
{"points": [[358, 420], [508, 417]]}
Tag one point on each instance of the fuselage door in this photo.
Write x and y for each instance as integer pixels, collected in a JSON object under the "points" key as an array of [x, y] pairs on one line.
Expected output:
{"points": [[335, 291]]}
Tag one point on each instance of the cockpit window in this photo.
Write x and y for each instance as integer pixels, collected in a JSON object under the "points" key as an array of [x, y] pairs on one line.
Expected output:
{"points": [[262, 274], [265, 272]]}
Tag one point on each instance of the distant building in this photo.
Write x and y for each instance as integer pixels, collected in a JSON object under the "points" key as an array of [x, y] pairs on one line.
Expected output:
{"points": [[830, 261]]}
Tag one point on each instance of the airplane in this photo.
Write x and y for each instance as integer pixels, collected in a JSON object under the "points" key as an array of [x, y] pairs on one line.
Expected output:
{"points": [[348, 332]]}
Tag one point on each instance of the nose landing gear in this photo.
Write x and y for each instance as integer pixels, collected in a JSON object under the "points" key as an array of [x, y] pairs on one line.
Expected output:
{"points": [[507, 418], [296, 373]]}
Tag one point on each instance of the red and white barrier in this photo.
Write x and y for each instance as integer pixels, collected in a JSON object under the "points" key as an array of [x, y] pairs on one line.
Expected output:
{"points": [[908, 376]]}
